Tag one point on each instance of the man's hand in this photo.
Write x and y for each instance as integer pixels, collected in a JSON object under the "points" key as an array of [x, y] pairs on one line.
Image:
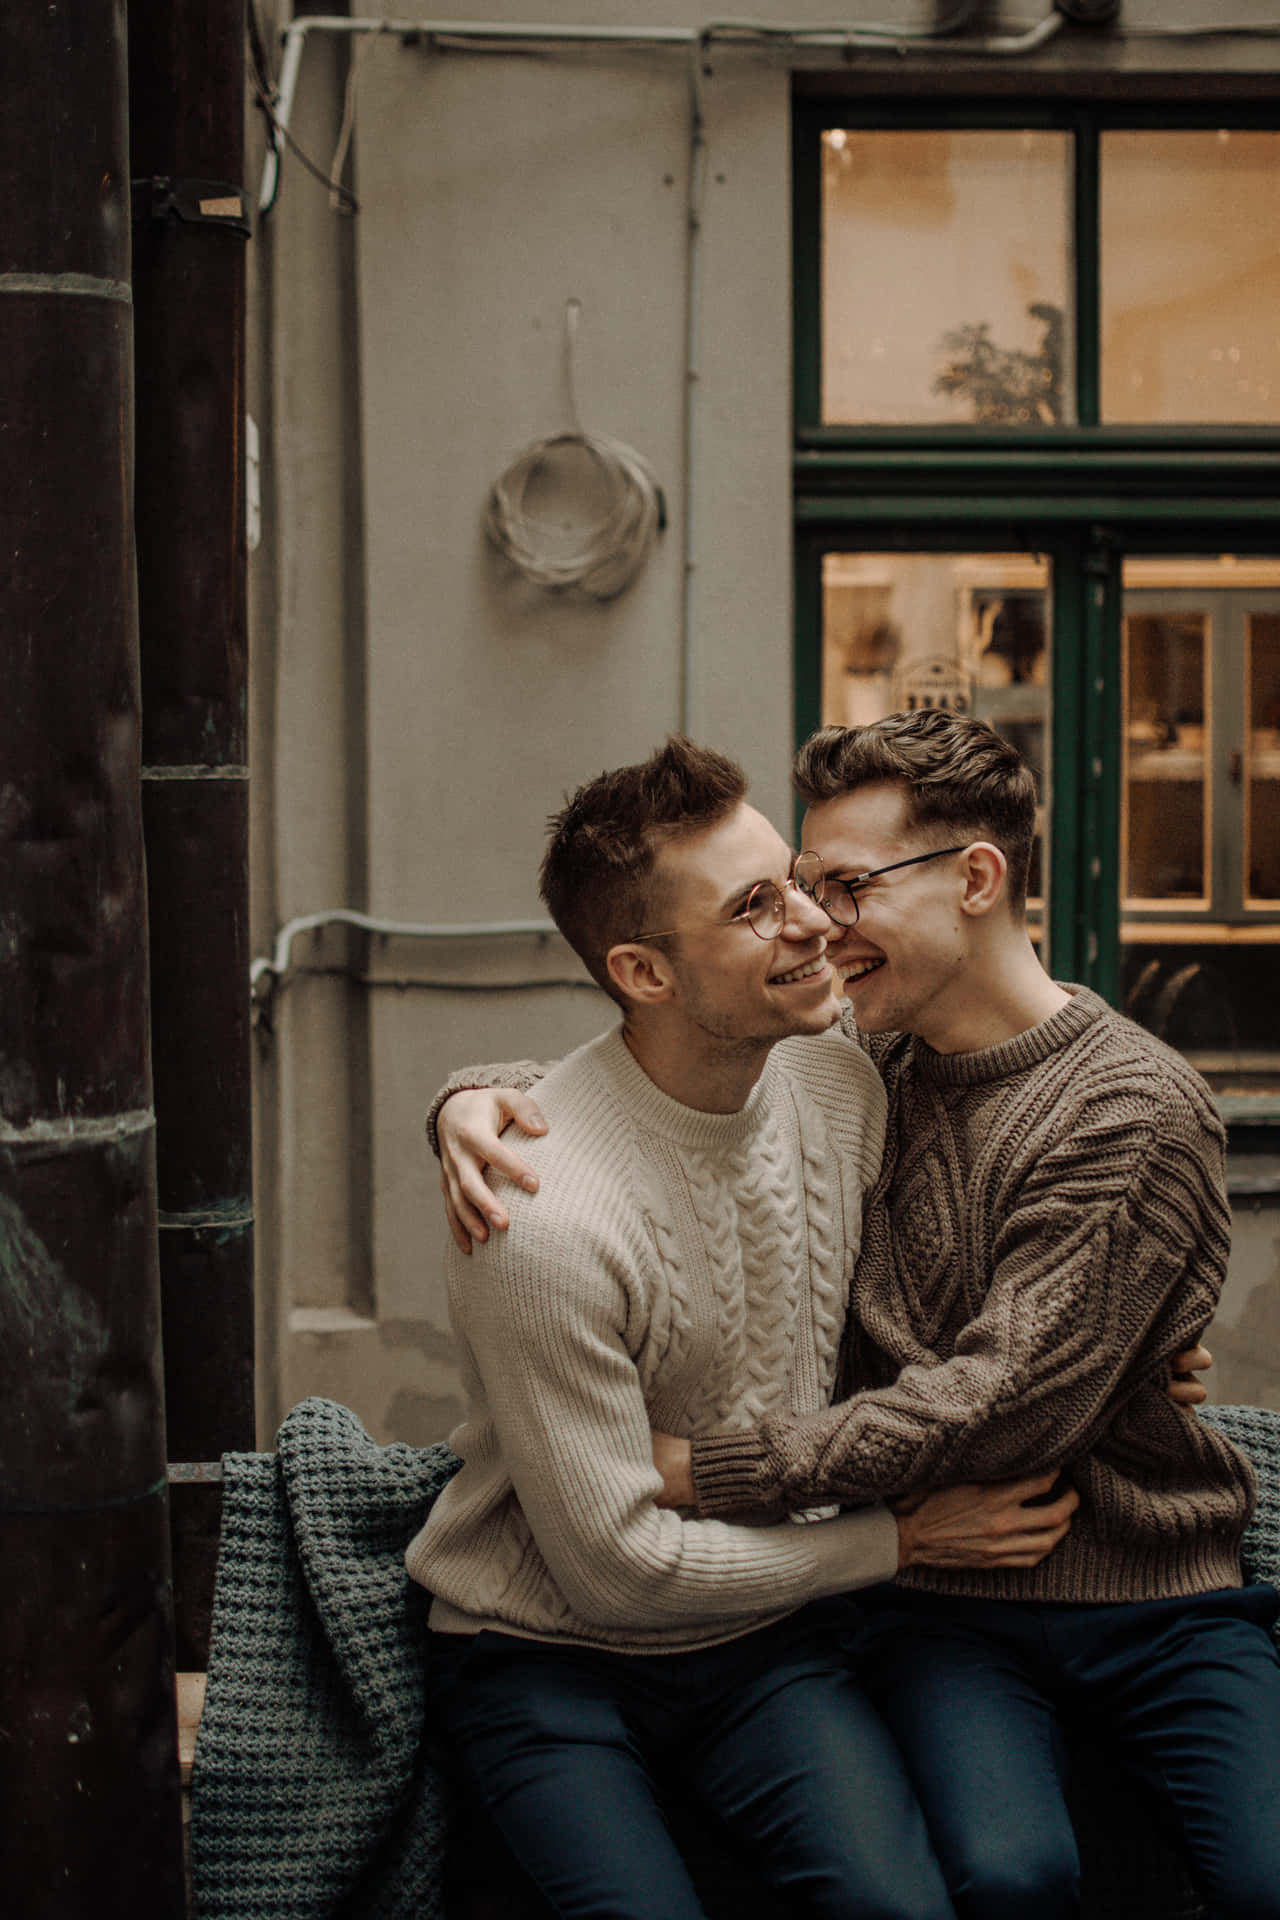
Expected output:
{"points": [[1184, 1389], [982, 1526], [674, 1460], [467, 1129]]}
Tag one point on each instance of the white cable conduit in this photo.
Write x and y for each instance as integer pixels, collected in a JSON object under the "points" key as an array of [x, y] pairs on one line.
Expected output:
{"points": [[274, 969], [500, 34]]}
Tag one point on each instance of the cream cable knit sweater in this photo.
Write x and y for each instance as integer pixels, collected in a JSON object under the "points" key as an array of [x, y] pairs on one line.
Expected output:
{"points": [[679, 1269]]}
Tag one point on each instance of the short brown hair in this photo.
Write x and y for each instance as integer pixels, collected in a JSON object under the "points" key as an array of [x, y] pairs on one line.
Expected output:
{"points": [[958, 774], [598, 871]]}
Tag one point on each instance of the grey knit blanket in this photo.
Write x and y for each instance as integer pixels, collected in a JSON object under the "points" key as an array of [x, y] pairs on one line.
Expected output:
{"points": [[314, 1793]]}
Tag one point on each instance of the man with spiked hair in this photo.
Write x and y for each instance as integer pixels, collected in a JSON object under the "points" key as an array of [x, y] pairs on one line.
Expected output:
{"points": [[1049, 1229], [685, 1266]]}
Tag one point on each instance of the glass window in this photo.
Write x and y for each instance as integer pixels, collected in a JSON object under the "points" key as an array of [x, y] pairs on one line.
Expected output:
{"points": [[969, 632], [1190, 276], [1262, 761], [945, 277], [1166, 810], [1200, 823]]}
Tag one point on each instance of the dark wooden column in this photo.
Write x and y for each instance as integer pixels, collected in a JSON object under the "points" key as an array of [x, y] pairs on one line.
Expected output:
{"points": [[88, 1751], [186, 126]]}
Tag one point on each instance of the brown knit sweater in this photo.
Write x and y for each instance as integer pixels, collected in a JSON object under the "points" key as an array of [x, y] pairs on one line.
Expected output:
{"points": [[1050, 1226]]}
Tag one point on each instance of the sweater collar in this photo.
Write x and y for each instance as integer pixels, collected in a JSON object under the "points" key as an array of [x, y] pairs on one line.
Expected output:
{"points": [[1024, 1050], [650, 1107]]}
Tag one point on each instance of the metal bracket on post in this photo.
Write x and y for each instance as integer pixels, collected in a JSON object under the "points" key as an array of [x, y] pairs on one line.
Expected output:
{"points": [[205, 203]]}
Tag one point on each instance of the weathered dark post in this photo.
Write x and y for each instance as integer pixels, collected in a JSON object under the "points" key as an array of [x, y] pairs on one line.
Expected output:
{"points": [[186, 122], [88, 1750]]}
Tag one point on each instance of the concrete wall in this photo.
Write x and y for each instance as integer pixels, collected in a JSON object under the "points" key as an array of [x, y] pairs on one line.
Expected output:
{"points": [[417, 710]]}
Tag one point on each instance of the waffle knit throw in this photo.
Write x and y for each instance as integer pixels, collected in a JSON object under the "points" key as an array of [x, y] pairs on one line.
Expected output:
{"points": [[313, 1792], [314, 1789]]}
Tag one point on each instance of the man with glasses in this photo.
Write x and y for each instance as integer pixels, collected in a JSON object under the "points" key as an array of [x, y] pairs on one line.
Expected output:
{"points": [[1049, 1229], [685, 1266]]}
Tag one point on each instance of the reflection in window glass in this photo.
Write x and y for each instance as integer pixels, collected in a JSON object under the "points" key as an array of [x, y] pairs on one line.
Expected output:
{"points": [[1200, 923], [1190, 276], [945, 277], [968, 632], [1262, 760], [1166, 810]]}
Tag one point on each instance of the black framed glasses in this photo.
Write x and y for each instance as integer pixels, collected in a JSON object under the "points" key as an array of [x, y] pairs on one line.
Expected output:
{"points": [[766, 909], [838, 898]]}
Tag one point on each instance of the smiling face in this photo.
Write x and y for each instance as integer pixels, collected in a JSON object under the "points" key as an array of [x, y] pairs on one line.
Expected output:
{"points": [[905, 966], [729, 987]]}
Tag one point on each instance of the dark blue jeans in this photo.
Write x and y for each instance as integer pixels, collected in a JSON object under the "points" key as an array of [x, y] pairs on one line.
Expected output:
{"points": [[1185, 1691], [768, 1732]]}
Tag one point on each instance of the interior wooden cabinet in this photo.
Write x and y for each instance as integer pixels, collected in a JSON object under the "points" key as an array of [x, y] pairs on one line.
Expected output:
{"points": [[1200, 809]]}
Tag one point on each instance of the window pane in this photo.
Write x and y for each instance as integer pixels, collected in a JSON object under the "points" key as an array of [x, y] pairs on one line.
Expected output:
{"points": [[944, 278], [1262, 760], [1166, 806], [1200, 920], [964, 631], [1190, 276]]}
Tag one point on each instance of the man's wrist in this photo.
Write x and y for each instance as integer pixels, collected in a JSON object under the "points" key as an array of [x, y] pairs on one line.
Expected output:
{"points": [[434, 1111]]}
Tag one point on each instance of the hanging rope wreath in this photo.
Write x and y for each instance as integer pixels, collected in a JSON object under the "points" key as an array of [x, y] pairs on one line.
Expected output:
{"points": [[603, 558]]}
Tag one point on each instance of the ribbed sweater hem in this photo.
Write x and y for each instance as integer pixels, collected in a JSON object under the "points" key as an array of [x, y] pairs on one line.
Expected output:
{"points": [[1131, 1575], [444, 1618]]}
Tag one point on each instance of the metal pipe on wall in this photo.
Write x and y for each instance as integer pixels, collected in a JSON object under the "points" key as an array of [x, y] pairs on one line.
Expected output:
{"points": [[88, 1747], [186, 127]]}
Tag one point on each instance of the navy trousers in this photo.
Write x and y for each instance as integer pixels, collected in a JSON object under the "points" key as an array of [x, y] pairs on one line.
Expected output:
{"points": [[768, 1732], [1185, 1691]]}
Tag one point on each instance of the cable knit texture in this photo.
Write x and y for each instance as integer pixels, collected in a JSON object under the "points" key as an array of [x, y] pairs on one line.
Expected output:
{"points": [[1050, 1226], [677, 1269]]}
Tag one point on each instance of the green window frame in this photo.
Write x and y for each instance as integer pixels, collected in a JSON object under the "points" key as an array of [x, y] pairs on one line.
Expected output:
{"points": [[1083, 495]]}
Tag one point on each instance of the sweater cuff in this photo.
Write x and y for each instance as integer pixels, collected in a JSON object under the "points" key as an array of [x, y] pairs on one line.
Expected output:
{"points": [[727, 1469]]}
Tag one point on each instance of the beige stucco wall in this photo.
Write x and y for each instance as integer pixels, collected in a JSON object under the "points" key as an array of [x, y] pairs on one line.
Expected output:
{"points": [[414, 780], [418, 712]]}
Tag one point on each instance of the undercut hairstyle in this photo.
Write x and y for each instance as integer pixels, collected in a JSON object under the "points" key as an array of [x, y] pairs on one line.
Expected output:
{"points": [[961, 779], [598, 874]]}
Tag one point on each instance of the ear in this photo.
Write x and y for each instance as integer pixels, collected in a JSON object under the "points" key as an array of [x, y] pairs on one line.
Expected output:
{"points": [[985, 872], [643, 972]]}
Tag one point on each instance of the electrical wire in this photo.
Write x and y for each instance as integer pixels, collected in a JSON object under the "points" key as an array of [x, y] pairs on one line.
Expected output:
{"points": [[258, 49], [341, 198], [863, 30], [609, 554], [265, 974], [348, 122], [414, 983], [494, 37], [1252, 29]]}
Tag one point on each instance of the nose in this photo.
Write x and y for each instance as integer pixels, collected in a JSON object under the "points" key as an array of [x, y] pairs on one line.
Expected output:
{"points": [[804, 917]]}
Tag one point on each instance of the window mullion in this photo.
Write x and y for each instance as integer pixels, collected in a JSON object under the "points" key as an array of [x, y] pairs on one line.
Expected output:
{"points": [[1084, 842], [1087, 241], [807, 269], [1101, 761]]}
